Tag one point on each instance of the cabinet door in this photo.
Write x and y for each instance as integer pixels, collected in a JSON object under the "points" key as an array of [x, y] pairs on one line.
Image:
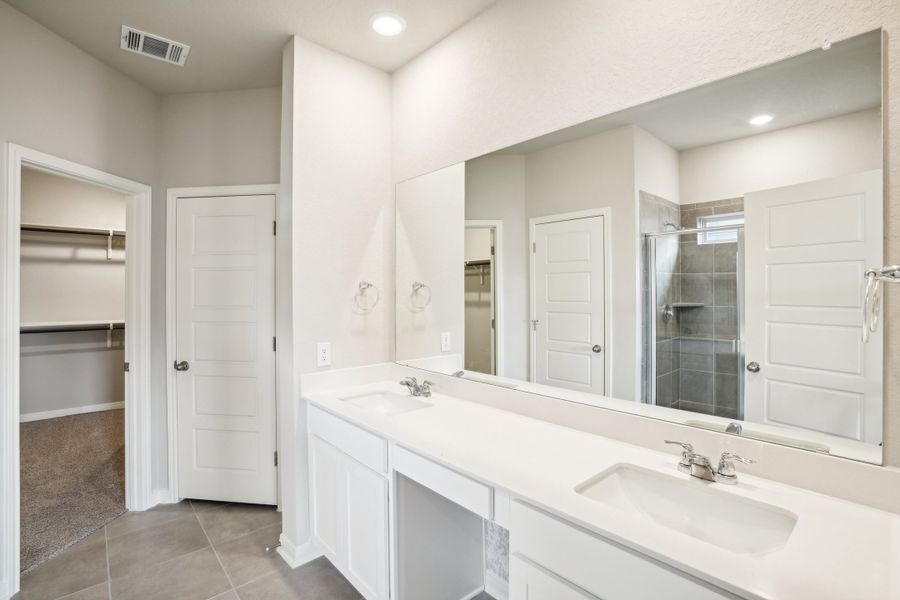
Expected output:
{"points": [[328, 520], [528, 582], [367, 530]]}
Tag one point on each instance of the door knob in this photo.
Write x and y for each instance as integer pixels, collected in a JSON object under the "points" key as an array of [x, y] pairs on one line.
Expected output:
{"points": [[753, 367], [597, 348], [182, 365]]}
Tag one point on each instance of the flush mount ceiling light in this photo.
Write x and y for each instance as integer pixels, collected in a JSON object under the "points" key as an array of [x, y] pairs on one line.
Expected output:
{"points": [[388, 24], [761, 119]]}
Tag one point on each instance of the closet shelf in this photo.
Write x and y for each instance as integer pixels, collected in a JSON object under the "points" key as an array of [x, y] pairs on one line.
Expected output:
{"points": [[71, 326], [40, 228]]}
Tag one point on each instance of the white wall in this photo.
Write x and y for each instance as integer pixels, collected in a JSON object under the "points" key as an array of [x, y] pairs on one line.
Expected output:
{"points": [[495, 190], [68, 278], [57, 99], [430, 249], [337, 133], [221, 138], [656, 166], [524, 68], [830, 148]]}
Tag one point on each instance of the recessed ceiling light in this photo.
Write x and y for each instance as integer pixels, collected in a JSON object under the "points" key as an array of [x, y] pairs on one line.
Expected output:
{"points": [[388, 24], [761, 119]]}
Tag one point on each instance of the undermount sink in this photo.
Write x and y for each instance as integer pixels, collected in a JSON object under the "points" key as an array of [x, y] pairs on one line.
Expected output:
{"points": [[386, 403], [694, 508]]}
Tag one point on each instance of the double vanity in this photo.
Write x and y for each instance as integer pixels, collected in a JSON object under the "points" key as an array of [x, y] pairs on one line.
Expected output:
{"points": [[403, 488]]}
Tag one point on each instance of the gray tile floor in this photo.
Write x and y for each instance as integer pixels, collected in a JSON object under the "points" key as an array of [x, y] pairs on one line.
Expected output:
{"points": [[187, 551]]}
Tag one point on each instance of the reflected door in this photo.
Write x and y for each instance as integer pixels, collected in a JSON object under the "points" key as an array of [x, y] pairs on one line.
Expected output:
{"points": [[225, 323], [568, 327], [807, 249]]}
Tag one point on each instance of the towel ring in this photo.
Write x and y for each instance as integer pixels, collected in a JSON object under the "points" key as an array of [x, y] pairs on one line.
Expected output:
{"points": [[420, 297], [362, 299]]}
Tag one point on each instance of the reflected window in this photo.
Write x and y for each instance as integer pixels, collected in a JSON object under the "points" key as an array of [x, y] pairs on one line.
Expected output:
{"points": [[722, 236]]}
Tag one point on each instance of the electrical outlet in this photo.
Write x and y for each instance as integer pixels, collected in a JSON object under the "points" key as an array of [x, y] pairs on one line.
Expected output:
{"points": [[323, 354], [446, 346]]}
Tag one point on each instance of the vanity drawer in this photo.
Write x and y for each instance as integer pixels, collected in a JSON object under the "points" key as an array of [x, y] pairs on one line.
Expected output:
{"points": [[367, 448], [598, 566], [466, 492]]}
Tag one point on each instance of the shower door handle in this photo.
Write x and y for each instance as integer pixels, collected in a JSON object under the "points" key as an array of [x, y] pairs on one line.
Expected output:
{"points": [[597, 348], [753, 367]]}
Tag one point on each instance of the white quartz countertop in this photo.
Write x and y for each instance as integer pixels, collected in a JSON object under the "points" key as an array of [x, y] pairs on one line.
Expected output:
{"points": [[838, 550]]}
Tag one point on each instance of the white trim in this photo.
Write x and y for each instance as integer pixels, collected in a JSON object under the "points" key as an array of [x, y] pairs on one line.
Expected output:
{"points": [[606, 213], [67, 412], [499, 307], [294, 555], [172, 196], [495, 586], [137, 342], [163, 496]]}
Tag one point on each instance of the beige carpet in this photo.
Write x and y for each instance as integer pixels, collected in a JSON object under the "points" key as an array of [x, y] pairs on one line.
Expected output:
{"points": [[73, 480]]}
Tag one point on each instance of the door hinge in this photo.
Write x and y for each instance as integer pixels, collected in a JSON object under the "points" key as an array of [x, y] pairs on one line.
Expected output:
{"points": [[492, 251], [274, 227], [534, 324], [127, 367], [534, 247], [493, 325], [276, 458], [274, 344]]}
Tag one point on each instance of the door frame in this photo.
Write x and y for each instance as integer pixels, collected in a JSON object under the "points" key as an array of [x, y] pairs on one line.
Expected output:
{"points": [[533, 222], [497, 275], [138, 482], [172, 197]]}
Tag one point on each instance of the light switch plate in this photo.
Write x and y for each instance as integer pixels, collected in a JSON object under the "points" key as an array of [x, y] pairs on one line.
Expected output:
{"points": [[446, 346], [323, 354]]}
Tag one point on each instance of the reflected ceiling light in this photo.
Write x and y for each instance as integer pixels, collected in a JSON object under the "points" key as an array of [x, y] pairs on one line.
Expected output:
{"points": [[761, 119], [388, 24]]}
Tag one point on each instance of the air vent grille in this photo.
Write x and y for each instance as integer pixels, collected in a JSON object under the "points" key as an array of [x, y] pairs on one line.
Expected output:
{"points": [[154, 46]]}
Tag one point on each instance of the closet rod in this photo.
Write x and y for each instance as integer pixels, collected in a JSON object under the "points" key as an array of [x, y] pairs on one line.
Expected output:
{"points": [[62, 327], [79, 230]]}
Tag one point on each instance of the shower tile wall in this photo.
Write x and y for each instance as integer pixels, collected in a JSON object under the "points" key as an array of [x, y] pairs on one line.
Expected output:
{"points": [[697, 368], [708, 376]]}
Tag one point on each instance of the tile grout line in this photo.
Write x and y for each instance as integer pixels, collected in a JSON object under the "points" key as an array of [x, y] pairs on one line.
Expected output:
{"points": [[215, 552], [108, 572]]}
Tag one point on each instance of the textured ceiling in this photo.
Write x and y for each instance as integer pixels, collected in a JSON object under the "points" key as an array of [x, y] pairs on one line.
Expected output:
{"points": [[237, 44]]}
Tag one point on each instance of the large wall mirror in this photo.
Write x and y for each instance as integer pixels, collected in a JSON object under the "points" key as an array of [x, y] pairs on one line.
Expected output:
{"points": [[700, 259]]}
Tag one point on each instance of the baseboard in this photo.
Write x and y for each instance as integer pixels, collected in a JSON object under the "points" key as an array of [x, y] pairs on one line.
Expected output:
{"points": [[496, 586], [295, 555], [474, 593], [65, 412], [5, 593], [161, 496]]}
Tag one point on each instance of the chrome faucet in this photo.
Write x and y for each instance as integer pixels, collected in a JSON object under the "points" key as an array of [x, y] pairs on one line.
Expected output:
{"points": [[416, 388], [697, 465]]}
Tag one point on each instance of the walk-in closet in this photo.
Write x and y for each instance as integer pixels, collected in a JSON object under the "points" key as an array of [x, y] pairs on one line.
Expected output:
{"points": [[72, 434]]}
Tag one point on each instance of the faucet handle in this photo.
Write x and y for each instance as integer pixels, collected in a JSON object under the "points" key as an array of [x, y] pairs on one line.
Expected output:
{"points": [[687, 451], [726, 469]]}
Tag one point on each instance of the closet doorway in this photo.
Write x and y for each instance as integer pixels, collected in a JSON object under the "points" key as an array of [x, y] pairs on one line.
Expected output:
{"points": [[75, 318], [483, 342]]}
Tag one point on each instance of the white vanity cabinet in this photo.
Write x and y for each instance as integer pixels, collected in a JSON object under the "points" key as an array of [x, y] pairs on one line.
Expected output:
{"points": [[349, 501], [554, 559]]}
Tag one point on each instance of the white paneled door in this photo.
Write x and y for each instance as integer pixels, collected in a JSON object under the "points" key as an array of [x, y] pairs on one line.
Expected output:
{"points": [[807, 248], [569, 326], [225, 354]]}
